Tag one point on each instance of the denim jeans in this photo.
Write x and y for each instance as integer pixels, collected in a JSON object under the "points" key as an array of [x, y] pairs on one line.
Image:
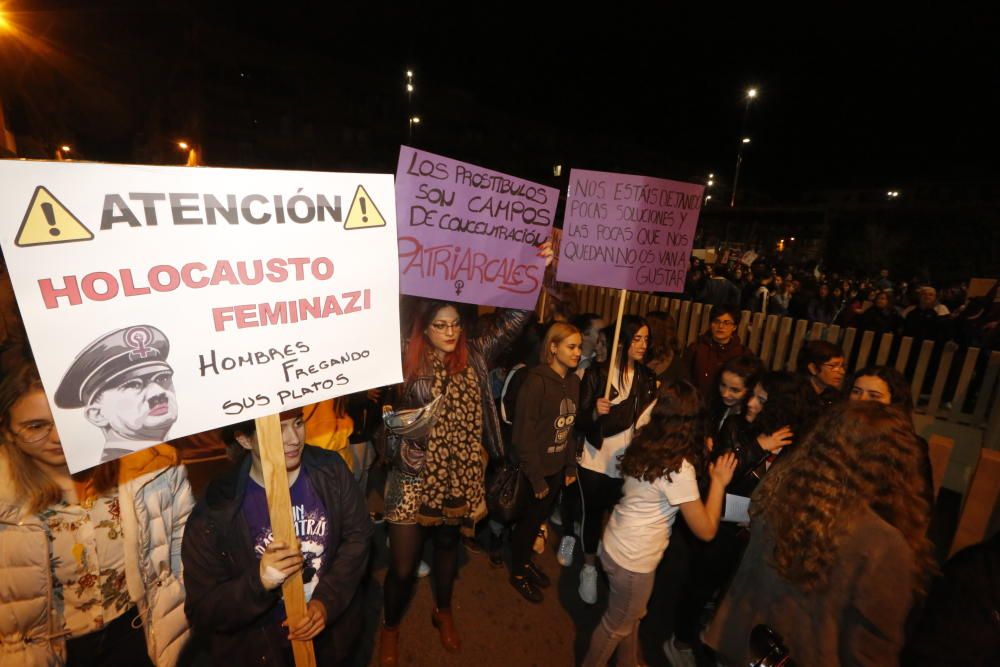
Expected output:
{"points": [[619, 626]]}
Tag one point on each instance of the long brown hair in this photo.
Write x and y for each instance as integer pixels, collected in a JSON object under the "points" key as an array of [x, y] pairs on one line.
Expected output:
{"points": [[676, 432], [418, 346], [860, 454], [30, 483]]}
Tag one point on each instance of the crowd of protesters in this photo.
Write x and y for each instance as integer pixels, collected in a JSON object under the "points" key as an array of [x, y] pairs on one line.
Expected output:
{"points": [[797, 501], [881, 304]]}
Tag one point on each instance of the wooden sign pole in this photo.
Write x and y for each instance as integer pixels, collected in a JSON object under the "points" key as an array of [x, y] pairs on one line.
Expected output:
{"points": [[614, 345], [541, 311], [279, 508]]}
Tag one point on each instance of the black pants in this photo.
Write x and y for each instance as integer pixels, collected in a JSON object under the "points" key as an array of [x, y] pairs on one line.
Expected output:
{"points": [[600, 494], [713, 565], [117, 644], [535, 512], [569, 508]]}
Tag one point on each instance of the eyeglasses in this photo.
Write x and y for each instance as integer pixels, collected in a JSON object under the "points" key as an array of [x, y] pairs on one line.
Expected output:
{"points": [[724, 323], [33, 432], [835, 367], [442, 327]]}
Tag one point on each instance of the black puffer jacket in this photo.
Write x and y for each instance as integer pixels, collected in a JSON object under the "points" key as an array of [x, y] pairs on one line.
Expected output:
{"points": [[623, 415], [483, 351]]}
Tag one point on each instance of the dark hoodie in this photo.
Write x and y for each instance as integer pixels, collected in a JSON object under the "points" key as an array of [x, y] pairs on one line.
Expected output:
{"points": [[705, 358], [543, 421]]}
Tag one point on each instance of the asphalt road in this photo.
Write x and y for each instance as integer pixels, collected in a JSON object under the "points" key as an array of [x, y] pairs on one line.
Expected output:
{"points": [[497, 626]]}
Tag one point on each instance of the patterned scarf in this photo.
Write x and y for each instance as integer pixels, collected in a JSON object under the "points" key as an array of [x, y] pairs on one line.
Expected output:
{"points": [[452, 489]]}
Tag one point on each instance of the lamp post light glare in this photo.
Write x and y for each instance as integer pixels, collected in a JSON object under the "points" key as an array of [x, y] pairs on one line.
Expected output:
{"points": [[183, 145], [409, 87], [65, 149], [415, 120], [409, 74], [751, 95], [710, 183]]}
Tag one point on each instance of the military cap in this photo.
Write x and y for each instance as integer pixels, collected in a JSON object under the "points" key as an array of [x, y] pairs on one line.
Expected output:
{"points": [[109, 358]]}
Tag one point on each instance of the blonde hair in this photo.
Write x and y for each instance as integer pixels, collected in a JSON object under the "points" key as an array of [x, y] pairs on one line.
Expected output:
{"points": [[557, 333]]}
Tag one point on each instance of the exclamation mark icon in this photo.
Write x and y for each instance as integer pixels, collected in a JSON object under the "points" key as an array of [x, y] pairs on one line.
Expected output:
{"points": [[50, 217], [364, 209]]}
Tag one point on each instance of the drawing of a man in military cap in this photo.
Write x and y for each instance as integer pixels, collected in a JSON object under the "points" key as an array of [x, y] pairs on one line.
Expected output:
{"points": [[125, 385]]}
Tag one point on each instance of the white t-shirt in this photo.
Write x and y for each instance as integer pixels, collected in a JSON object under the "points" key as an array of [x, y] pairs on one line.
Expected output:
{"points": [[639, 528]]}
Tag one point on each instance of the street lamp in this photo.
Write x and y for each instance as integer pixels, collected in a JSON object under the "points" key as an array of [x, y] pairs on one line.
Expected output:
{"points": [[62, 151], [751, 95], [192, 153], [409, 103]]}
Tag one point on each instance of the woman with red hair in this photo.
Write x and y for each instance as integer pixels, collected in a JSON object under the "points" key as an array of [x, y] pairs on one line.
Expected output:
{"points": [[436, 486]]}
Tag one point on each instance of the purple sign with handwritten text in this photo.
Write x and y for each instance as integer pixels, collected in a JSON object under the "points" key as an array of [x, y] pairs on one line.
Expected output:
{"points": [[628, 232], [470, 234]]}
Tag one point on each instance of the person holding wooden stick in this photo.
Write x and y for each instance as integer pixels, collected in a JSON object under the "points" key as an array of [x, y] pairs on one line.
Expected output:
{"points": [[234, 568], [90, 563], [609, 425]]}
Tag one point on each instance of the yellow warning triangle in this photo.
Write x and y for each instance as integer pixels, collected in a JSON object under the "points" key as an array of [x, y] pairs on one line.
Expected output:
{"points": [[363, 213], [48, 221]]}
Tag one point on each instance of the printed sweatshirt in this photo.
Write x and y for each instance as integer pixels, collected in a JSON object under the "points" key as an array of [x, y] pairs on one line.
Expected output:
{"points": [[543, 424]]}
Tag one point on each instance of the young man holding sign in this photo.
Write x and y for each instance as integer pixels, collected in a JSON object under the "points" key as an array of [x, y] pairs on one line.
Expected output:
{"points": [[234, 569]]}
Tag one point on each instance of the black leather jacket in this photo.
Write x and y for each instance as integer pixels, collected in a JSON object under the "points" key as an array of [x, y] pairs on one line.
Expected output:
{"points": [[483, 350], [737, 435], [623, 415]]}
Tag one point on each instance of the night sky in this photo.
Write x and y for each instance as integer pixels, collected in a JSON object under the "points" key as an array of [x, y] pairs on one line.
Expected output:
{"points": [[845, 100]]}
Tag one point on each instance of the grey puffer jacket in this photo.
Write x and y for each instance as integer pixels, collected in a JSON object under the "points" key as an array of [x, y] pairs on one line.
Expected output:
{"points": [[483, 350], [155, 501]]}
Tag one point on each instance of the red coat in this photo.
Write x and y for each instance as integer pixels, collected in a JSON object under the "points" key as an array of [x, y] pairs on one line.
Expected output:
{"points": [[705, 358]]}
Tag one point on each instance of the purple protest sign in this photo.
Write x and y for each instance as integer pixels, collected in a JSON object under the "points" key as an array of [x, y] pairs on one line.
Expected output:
{"points": [[628, 232], [470, 234]]}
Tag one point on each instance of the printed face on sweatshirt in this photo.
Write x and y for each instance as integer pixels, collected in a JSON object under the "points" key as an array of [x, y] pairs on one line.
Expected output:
{"points": [[563, 425]]}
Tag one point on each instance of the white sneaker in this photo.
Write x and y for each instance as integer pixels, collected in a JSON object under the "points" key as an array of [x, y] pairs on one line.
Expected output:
{"points": [[423, 570], [565, 553], [588, 584], [679, 657]]}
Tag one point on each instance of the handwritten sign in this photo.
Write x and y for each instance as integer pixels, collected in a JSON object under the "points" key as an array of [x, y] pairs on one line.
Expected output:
{"points": [[628, 232], [470, 234], [165, 301]]}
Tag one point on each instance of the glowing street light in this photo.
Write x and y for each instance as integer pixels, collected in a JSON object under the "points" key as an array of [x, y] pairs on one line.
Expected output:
{"points": [[65, 149], [710, 182], [751, 95], [415, 120], [409, 87], [192, 151]]}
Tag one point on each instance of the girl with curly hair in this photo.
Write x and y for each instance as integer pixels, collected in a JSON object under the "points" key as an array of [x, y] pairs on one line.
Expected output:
{"points": [[661, 469], [838, 548]]}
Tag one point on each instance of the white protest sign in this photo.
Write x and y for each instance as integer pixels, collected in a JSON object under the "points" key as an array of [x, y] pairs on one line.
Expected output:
{"points": [[165, 301]]}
